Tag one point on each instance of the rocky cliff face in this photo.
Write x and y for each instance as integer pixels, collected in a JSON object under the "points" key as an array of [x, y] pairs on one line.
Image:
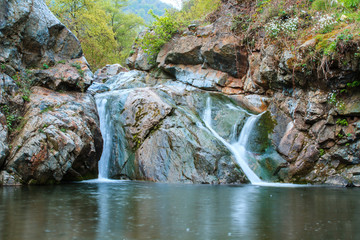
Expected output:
{"points": [[49, 128], [316, 133]]}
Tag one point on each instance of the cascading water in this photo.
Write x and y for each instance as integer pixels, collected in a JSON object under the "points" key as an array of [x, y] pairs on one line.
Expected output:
{"points": [[105, 129], [238, 146]]}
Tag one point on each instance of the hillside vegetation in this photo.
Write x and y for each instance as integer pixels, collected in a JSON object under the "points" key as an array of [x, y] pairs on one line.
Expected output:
{"points": [[105, 31]]}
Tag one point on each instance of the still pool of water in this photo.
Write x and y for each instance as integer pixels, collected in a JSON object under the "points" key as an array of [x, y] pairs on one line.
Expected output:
{"points": [[140, 210]]}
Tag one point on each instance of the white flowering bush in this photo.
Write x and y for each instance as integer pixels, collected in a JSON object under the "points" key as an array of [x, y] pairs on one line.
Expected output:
{"points": [[324, 23], [277, 26]]}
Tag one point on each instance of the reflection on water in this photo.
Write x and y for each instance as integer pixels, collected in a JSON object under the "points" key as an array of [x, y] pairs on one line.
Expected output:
{"points": [[137, 210]]}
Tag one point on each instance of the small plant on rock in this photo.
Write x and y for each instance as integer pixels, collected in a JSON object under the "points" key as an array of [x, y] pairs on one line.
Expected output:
{"points": [[342, 122]]}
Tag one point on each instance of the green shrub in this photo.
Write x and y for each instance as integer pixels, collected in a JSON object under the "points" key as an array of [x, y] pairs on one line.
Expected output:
{"points": [[354, 4], [323, 5], [342, 122], [161, 31]]}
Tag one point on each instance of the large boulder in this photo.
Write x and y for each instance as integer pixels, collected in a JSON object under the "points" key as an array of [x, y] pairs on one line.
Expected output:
{"points": [[70, 75], [31, 35], [59, 140], [156, 134]]}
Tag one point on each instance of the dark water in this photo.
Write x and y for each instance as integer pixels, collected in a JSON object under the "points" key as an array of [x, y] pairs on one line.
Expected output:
{"points": [[137, 210]]}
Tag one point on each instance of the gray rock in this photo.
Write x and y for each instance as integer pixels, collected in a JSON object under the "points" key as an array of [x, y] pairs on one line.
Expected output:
{"points": [[71, 75], [32, 35], [158, 136], [196, 76], [97, 88], [8, 179], [125, 80], [337, 180], [292, 142], [103, 74], [140, 61], [60, 139], [143, 111]]}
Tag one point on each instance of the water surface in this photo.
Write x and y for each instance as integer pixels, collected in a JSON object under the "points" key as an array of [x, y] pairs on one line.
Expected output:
{"points": [[140, 210]]}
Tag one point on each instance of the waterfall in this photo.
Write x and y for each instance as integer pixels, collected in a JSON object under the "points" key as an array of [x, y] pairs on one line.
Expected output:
{"points": [[105, 129], [238, 148]]}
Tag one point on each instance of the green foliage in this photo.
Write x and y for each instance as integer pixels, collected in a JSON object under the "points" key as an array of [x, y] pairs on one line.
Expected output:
{"points": [[353, 84], [342, 122], [61, 62], [45, 66], [24, 81], [48, 108], [125, 27], [162, 30], [105, 32], [164, 27], [322, 152], [322, 5], [196, 9], [63, 130], [240, 23], [351, 4], [11, 118]]}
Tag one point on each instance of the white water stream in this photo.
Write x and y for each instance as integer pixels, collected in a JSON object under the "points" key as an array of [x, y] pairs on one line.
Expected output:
{"points": [[238, 147], [107, 137]]}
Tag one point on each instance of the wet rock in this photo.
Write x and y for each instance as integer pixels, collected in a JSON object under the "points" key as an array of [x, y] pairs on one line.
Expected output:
{"points": [[124, 80], [337, 180], [71, 75], [181, 152], [168, 142], [60, 136], [253, 103], [97, 88], [143, 111], [4, 148], [8, 179], [103, 74]]}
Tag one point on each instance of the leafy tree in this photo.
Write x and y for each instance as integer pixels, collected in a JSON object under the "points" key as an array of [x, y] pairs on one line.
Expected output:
{"points": [[125, 26], [164, 27], [161, 31], [106, 33], [89, 22]]}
